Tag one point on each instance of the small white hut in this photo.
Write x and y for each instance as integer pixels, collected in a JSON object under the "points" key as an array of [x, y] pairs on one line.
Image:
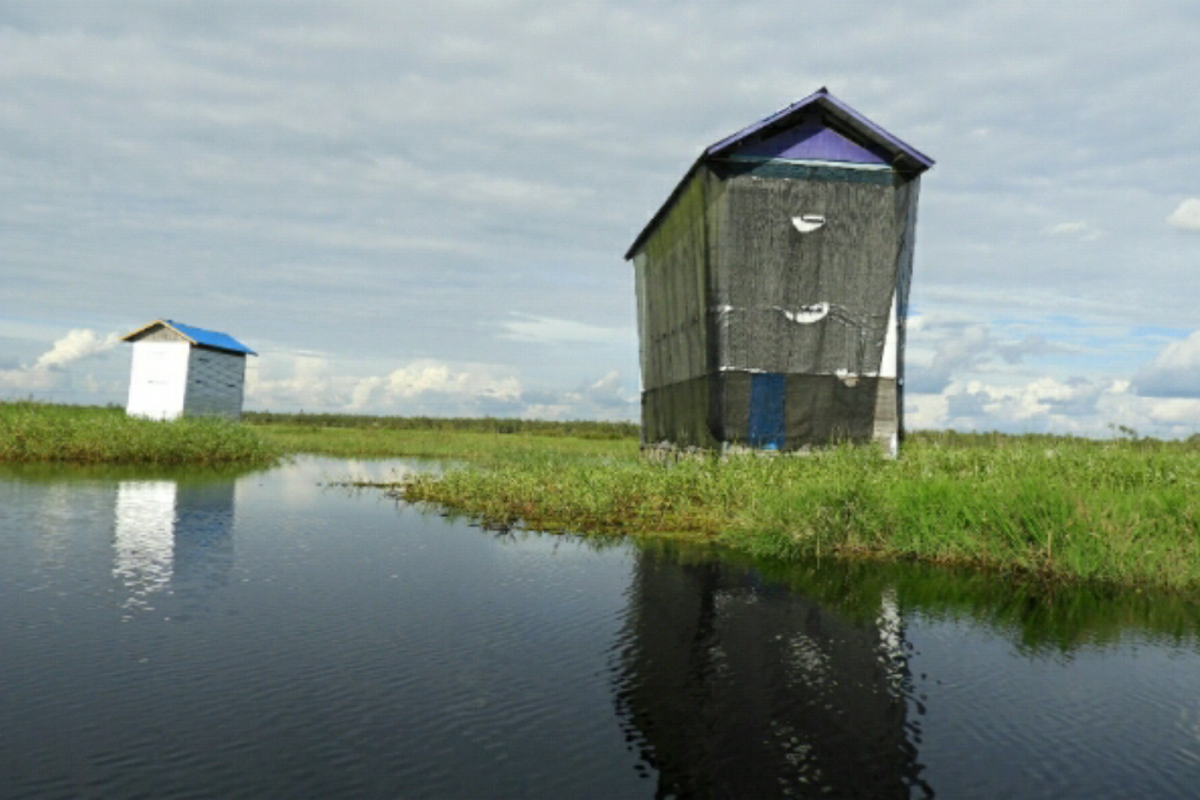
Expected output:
{"points": [[179, 370]]}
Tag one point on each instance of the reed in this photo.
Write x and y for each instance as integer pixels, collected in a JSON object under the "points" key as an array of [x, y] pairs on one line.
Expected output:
{"points": [[1120, 511], [32, 432]]}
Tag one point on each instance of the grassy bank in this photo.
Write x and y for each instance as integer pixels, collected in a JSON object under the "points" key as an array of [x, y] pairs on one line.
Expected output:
{"points": [[479, 440], [46, 433], [575, 429], [1123, 511]]}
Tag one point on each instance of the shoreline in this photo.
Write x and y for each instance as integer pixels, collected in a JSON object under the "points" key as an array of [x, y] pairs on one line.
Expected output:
{"points": [[1126, 513]]}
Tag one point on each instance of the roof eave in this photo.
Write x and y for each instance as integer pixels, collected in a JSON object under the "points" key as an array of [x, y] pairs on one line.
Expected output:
{"points": [[663, 209]]}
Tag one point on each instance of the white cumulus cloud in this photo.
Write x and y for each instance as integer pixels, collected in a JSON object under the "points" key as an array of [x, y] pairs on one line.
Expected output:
{"points": [[422, 377], [1187, 216], [1077, 228], [54, 374], [1174, 372], [551, 330], [77, 344], [313, 382]]}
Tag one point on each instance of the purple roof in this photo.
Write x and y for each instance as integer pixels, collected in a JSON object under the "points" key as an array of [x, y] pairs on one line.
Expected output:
{"points": [[836, 114], [818, 128], [811, 140]]}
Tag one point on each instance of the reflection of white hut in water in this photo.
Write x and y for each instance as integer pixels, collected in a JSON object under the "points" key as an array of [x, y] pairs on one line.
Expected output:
{"points": [[179, 370], [145, 537], [170, 533]]}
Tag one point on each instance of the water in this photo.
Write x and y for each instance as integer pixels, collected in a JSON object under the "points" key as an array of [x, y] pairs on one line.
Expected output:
{"points": [[264, 635]]}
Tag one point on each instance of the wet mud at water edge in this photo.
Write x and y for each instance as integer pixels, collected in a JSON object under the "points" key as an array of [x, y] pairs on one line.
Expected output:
{"points": [[264, 634]]}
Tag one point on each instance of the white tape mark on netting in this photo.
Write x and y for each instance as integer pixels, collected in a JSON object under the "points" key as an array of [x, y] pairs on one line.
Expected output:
{"points": [[807, 223]]}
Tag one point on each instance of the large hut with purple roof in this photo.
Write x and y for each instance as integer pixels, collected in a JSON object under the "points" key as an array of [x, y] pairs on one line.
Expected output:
{"points": [[772, 286]]}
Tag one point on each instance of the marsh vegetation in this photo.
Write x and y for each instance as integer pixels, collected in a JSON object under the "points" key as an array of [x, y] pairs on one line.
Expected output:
{"points": [[1120, 511], [32, 432], [1123, 511]]}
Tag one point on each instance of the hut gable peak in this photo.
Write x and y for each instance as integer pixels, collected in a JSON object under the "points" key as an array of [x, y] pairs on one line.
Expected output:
{"points": [[819, 127], [808, 137], [823, 127]]}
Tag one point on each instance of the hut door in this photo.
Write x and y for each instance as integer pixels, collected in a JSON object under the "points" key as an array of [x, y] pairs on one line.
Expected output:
{"points": [[766, 410]]}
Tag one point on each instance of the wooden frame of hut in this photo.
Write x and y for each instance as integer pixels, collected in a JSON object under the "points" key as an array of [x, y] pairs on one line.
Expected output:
{"points": [[180, 370], [772, 286]]}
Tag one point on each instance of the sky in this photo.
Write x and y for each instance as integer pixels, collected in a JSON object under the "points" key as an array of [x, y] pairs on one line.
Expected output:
{"points": [[422, 208]]}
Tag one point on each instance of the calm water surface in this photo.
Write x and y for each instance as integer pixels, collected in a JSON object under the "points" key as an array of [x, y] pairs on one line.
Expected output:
{"points": [[264, 635]]}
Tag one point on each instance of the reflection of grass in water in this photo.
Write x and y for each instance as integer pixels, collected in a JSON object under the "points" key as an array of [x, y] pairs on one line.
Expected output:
{"points": [[1040, 616], [41, 432], [1123, 511], [53, 472]]}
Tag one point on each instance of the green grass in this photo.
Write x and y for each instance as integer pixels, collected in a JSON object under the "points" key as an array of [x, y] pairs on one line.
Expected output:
{"points": [[453, 439], [436, 444], [576, 429], [1126, 512], [33, 432]]}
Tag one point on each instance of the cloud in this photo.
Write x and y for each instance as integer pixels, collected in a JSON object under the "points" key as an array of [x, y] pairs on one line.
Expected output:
{"points": [[1077, 406], [552, 330], [76, 345], [1039, 405], [1174, 372], [1187, 216], [1184, 412], [605, 399], [311, 382], [1014, 352], [1036, 404], [424, 377], [26, 381], [959, 349], [967, 404], [54, 374], [1079, 229]]}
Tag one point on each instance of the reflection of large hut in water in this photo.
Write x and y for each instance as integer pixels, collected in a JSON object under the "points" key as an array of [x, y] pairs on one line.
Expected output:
{"points": [[772, 286], [731, 687]]}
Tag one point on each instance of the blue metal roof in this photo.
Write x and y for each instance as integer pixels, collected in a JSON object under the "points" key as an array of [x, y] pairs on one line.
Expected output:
{"points": [[197, 336], [213, 339], [839, 134]]}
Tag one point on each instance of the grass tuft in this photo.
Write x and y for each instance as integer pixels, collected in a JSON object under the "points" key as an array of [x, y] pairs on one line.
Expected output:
{"points": [[32, 432]]}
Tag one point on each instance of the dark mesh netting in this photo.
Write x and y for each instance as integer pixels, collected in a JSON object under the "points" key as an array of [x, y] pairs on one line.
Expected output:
{"points": [[771, 302]]}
